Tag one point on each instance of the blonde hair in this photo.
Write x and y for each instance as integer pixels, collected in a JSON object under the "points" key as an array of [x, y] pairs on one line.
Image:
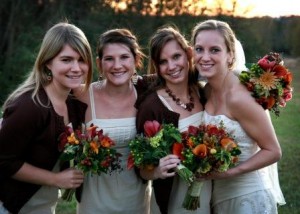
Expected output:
{"points": [[223, 28], [55, 38]]}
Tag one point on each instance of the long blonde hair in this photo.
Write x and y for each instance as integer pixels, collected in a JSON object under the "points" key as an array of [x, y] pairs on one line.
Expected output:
{"points": [[55, 38]]}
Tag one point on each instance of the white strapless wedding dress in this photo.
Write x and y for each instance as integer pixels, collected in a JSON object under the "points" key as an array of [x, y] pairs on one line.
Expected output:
{"points": [[254, 192]]}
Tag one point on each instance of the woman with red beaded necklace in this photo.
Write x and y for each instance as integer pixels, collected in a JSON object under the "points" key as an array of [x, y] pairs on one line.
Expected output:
{"points": [[175, 98]]}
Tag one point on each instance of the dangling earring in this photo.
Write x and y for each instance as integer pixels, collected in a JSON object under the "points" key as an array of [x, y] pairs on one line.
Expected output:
{"points": [[49, 76], [100, 78], [134, 78]]}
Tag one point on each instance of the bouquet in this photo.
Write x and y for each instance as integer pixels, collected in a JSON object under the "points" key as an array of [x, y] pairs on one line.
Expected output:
{"points": [[207, 148], [88, 150], [269, 82], [158, 141]]}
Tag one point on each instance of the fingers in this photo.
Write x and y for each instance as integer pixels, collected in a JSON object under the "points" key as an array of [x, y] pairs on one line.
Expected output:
{"points": [[165, 165]]}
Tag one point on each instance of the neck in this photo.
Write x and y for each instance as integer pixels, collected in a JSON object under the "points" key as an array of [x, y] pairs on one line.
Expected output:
{"points": [[219, 84], [116, 90], [57, 94]]}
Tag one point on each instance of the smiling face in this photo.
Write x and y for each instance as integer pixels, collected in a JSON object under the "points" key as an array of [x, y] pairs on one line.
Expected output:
{"points": [[68, 69], [210, 53], [117, 63], [173, 63]]}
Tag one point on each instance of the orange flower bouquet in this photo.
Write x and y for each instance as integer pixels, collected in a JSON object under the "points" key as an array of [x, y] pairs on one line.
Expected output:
{"points": [[207, 148], [158, 141], [88, 150], [269, 82]]}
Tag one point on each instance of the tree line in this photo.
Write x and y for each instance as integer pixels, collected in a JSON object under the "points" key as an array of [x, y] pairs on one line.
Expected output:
{"points": [[23, 24]]}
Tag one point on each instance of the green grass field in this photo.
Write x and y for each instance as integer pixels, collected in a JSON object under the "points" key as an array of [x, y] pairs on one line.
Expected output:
{"points": [[287, 128]]}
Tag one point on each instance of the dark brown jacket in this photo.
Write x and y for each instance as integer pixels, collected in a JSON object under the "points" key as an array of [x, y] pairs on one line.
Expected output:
{"points": [[29, 134]]}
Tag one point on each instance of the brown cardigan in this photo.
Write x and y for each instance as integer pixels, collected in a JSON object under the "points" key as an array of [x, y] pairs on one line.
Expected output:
{"points": [[29, 134]]}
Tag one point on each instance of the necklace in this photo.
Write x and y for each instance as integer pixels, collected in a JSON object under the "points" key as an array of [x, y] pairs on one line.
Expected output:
{"points": [[187, 106]]}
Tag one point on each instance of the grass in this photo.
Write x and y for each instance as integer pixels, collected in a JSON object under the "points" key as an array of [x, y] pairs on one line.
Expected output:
{"points": [[287, 128]]}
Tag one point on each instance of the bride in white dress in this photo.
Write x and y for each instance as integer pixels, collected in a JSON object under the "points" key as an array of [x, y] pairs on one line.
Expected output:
{"points": [[248, 187]]}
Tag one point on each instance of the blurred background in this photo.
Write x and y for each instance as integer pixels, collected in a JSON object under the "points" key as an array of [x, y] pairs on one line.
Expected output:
{"points": [[261, 26]]}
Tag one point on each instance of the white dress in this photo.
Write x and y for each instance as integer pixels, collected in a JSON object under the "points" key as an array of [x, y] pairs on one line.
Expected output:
{"points": [[119, 192], [250, 193], [180, 187]]}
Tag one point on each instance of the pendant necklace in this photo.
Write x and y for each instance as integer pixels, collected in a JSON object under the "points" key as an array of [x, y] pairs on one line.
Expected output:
{"points": [[187, 106]]}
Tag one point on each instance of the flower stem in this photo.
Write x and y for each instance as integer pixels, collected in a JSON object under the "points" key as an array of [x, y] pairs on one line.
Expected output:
{"points": [[192, 197], [186, 174], [68, 195]]}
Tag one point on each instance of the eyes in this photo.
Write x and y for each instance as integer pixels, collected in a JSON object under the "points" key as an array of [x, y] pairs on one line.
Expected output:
{"points": [[122, 57], [175, 57], [70, 59], [212, 50]]}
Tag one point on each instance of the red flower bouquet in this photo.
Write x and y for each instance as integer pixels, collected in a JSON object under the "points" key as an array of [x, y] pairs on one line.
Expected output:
{"points": [[158, 141], [88, 150], [269, 82], [207, 148]]}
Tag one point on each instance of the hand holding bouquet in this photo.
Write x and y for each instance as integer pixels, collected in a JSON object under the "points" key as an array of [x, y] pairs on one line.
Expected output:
{"points": [[207, 148], [88, 150], [269, 82], [158, 141]]}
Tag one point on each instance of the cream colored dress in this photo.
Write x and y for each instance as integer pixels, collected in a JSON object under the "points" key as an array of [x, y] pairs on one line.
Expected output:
{"points": [[118, 192], [251, 193], [44, 200]]}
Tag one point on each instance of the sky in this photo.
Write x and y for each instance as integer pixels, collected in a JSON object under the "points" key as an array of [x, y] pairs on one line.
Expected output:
{"points": [[273, 8]]}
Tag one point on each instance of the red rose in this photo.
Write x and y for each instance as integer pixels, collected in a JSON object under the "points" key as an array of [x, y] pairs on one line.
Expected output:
{"points": [[287, 95], [193, 130], [265, 62]]}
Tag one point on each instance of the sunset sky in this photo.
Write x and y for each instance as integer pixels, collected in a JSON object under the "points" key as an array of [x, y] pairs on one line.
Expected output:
{"points": [[244, 8], [273, 8]]}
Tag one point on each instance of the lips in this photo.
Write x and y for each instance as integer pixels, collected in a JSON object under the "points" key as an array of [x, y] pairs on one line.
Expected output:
{"points": [[117, 74], [74, 77], [175, 74]]}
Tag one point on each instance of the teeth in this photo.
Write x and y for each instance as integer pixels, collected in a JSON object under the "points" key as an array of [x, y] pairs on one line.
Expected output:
{"points": [[175, 73], [206, 66], [74, 77], [117, 74]]}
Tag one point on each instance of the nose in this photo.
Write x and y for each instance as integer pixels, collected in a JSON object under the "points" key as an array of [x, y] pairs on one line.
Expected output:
{"points": [[117, 64], [205, 55], [171, 65], [76, 66]]}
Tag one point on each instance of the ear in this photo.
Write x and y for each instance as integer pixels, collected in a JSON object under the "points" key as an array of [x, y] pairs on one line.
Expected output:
{"points": [[98, 63], [49, 65], [137, 60], [230, 58], [189, 52]]}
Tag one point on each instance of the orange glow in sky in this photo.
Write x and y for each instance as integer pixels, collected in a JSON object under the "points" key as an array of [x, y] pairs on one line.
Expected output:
{"points": [[243, 8], [273, 8]]}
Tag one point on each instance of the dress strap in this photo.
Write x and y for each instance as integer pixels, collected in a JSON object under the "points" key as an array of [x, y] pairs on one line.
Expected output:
{"points": [[92, 102], [163, 100]]}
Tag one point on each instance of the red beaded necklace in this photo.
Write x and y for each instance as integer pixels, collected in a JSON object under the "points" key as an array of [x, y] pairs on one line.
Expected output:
{"points": [[187, 106]]}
